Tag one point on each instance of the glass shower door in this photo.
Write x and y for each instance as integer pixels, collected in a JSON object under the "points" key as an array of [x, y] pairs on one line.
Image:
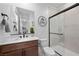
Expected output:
{"points": [[57, 33]]}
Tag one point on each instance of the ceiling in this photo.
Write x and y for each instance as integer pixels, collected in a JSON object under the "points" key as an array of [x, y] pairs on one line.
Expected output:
{"points": [[56, 5]]}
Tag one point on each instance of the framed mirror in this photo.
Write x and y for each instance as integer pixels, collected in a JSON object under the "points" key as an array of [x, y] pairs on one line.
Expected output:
{"points": [[25, 18]]}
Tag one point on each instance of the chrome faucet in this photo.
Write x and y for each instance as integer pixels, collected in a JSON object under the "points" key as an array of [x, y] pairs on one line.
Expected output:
{"points": [[23, 34]]}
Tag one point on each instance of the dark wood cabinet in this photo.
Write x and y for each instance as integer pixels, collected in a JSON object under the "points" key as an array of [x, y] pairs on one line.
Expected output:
{"points": [[29, 48], [31, 51]]}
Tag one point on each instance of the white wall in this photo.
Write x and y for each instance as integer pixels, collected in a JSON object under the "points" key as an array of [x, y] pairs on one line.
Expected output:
{"points": [[6, 9]]}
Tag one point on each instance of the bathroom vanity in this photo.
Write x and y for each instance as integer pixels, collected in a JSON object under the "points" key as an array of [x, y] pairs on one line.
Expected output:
{"points": [[22, 47]]}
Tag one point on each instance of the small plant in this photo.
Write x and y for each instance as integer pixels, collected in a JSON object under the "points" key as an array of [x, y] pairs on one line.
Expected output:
{"points": [[32, 30]]}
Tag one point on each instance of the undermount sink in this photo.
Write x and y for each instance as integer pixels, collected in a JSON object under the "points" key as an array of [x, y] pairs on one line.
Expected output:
{"points": [[25, 36]]}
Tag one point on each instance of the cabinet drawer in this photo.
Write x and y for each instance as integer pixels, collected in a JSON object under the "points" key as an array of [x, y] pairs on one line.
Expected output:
{"points": [[13, 53]]}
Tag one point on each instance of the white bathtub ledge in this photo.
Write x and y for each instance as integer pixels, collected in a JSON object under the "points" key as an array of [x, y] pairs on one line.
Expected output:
{"points": [[64, 51]]}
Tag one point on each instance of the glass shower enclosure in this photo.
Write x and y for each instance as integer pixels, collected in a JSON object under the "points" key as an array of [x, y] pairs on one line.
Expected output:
{"points": [[63, 31], [57, 30]]}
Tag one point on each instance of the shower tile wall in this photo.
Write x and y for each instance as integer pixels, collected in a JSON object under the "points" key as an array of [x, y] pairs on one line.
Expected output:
{"points": [[72, 29], [54, 39]]}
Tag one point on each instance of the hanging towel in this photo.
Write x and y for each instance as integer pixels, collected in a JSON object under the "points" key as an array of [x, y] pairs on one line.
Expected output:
{"points": [[7, 29], [3, 22]]}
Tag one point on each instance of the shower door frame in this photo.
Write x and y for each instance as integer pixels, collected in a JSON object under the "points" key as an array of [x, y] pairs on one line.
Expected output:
{"points": [[69, 8]]}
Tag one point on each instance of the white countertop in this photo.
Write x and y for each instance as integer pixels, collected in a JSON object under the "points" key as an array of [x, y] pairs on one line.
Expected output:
{"points": [[17, 40]]}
